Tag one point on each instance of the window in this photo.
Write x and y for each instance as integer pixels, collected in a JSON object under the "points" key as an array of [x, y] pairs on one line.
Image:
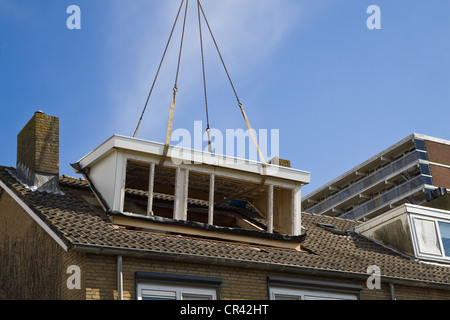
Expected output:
{"points": [[422, 155], [444, 229], [427, 237], [427, 180], [157, 294], [420, 144], [297, 289], [425, 169], [431, 238], [161, 291], [307, 294], [144, 180], [156, 286]]}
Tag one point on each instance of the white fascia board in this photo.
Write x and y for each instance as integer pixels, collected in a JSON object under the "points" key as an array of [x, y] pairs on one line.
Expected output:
{"points": [[97, 153], [183, 155], [34, 216], [389, 215], [405, 208], [429, 138], [428, 211]]}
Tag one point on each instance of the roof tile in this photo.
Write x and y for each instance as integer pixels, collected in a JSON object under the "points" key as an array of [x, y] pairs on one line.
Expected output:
{"points": [[73, 219]]}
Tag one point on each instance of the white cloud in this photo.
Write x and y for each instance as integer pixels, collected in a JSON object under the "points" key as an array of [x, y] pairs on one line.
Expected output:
{"points": [[250, 29]]}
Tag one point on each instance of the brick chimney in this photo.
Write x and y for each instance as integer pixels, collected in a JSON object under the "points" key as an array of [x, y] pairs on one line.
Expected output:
{"points": [[38, 153], [280, 162]]}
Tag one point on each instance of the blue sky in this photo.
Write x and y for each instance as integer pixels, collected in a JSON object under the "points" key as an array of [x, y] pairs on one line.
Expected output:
{"points": [[338, 92]]}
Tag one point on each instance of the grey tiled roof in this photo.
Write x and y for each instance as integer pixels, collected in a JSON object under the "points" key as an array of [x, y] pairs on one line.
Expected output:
{"points": [[78, 221]]}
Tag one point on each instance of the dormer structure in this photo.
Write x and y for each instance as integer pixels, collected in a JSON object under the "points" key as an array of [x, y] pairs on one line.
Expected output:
{"points": [[185, 191], [418, 231]]}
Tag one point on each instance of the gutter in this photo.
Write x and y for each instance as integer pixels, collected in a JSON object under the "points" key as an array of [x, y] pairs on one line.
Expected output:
{"points": [[119, 277], [239, 263]]}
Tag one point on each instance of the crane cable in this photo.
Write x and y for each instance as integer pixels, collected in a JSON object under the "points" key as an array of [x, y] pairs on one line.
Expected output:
{"points": [[241, 107], [159, 68], [208, 129], [175, 90]]}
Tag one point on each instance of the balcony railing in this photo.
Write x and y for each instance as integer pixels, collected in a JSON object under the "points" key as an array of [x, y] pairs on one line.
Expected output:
{"points": [[401, 191], [359, 186]]}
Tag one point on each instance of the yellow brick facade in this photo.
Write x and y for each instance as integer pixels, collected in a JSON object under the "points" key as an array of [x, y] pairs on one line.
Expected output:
{"points": [[34, 267]]}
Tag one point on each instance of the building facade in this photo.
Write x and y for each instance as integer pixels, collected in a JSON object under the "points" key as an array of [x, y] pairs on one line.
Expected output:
{"points": [[138, 237], [410, 171]]}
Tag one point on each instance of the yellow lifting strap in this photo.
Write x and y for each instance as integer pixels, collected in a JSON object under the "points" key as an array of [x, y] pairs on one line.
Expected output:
{"points": [[159, 68], [175, 90], [169, 127], [255, 141]]}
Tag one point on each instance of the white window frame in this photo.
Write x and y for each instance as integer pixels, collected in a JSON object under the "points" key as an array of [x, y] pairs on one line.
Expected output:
{"points": [[311, 290], [176, 286], [176, 291], [442, 257], [310, 294]]}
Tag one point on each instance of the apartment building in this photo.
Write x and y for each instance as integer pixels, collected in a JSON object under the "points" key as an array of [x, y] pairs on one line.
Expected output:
{"points": [[412, 171]]}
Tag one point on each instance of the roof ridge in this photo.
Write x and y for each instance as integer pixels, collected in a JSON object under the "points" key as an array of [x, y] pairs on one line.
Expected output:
{"points": [[331, 217], [71, 177]]}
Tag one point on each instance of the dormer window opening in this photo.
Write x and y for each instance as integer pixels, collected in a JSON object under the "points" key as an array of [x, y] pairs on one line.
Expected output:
{"points": [[143, 179], [432, 237], [151, 189], [195, 193]]}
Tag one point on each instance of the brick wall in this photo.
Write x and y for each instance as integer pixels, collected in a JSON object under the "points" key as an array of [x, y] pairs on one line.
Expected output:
{"points": [[237, 283], [441, 176], [439, 153], [38, 144], [32, 264]]}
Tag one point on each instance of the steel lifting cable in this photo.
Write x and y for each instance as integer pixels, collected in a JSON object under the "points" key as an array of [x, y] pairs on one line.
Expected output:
{"points": [[159, 68], [241, 107], [208, 130], [175, 90]]}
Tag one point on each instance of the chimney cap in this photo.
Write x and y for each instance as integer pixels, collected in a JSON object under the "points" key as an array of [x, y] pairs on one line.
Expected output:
{"points": [[39, 111]]}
